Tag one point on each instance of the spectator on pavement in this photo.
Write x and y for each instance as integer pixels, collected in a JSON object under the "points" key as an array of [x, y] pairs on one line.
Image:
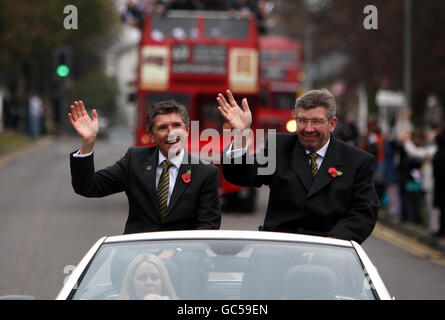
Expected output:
{"points": [[439, 179], [35, 115]]}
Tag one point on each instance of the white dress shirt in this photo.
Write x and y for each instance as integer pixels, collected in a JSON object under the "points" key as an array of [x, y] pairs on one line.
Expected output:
{"points": [[240, 152], [321, 154], [78, 155]]}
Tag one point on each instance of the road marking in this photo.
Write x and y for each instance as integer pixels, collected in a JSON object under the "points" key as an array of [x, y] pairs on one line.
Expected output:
{"points": [[409, 244]]}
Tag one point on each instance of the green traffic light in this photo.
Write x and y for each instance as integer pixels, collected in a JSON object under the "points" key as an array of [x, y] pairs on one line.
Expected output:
{"points": [[63, 70]]}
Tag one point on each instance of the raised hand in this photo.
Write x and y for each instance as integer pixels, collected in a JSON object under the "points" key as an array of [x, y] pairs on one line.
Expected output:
{"points": [[238, 118], [85, 126]]}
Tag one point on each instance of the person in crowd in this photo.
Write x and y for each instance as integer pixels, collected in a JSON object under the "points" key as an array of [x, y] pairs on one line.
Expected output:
{"points": [[347, 130], [403, 123], [391, 198], [213, 5], [410, 178], [263, 15], [181, 5], [134, 13], [243, 8], [165, 187], [439, 179], [35, 115], [374, 144], [147, 278], [160, 8], [321, 186], [421, 149]]}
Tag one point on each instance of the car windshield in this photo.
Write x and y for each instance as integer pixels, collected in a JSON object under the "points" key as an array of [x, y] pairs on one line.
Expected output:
{"points": [[223, 269]]}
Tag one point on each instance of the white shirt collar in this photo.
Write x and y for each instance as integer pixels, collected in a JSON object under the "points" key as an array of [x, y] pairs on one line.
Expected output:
{"points": [[322, 151], [176, 161]]}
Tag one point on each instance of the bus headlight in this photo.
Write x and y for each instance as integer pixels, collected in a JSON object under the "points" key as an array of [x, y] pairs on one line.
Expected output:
{"points": [[291, 126]]}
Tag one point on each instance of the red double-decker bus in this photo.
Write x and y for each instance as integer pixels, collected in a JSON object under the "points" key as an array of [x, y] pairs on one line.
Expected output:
{"points": [[281, 63], [191, 56]]}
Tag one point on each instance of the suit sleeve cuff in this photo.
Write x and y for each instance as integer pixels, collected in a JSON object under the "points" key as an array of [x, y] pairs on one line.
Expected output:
{"points": [[77, 155], [235, 153]]}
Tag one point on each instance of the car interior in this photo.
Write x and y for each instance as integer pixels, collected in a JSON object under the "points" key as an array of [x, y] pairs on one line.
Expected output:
{"points": [[232, 270]]}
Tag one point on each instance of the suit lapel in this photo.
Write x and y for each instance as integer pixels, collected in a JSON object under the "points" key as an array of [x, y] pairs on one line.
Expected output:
{"points": [[180, 185], [150, 167], [300, 164], [331, 160]]}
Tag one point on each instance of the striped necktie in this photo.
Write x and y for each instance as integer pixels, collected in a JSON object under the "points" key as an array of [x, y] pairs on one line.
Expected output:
{"points": [[163, 186], [313, 165]]}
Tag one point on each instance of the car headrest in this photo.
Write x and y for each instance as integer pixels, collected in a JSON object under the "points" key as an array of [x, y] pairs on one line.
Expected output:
{"points": [[309, 282]]}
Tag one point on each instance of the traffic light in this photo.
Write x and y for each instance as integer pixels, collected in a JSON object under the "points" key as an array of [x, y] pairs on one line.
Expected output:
{"points": [[62, 62]]}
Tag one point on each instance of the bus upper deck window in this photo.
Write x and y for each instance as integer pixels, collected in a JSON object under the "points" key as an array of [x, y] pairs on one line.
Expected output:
{"points": [[227, 28]]}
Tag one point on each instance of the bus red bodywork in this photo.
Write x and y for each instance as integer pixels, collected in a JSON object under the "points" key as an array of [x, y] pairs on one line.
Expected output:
{"points": [[281, 70]]}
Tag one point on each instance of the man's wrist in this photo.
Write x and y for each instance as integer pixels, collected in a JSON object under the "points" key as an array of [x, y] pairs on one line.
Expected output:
{"points": [[87, 145], [240, 138]]}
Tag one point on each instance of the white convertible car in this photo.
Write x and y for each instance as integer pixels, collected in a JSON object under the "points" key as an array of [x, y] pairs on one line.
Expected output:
{"points": [[224, 265]]}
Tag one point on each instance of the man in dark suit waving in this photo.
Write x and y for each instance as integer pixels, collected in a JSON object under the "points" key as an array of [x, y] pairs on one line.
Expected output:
{"points": [[320, 186], [166, 189]]}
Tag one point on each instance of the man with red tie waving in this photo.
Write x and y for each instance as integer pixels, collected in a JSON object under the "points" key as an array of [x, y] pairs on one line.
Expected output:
{"points": [[320, 186]]}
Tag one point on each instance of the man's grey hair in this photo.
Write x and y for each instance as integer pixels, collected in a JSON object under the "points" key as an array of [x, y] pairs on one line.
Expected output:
{"points": [[165, 107], [318, 98]]}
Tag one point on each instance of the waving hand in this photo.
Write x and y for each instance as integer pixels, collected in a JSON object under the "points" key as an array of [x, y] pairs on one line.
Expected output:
{"points": [[238, 118], [85, 126]]}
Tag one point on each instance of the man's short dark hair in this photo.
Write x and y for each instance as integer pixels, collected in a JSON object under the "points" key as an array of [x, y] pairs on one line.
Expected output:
{"points": [[317, 98], [165, 107]]}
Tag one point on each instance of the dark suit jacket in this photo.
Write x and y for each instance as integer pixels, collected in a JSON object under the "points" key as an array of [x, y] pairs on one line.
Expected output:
{"points": [[345, 206], [193, 205]]}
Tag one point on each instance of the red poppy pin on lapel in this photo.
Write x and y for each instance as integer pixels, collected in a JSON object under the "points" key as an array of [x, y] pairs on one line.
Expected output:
{"points": [[186, 177], [334, 172]]}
